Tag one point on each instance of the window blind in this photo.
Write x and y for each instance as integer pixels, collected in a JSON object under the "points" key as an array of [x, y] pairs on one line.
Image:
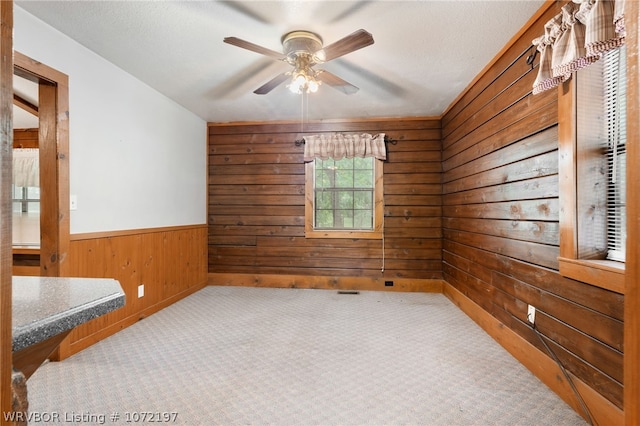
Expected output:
{"points": [[615, 86]]}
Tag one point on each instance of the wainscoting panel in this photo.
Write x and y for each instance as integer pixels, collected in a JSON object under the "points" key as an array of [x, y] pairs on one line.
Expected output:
{"points": [[171, 263]]}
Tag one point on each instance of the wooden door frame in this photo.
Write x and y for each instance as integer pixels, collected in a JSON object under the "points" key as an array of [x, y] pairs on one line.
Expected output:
{"points": [[6, 255], [632, 265], [53, 141]]}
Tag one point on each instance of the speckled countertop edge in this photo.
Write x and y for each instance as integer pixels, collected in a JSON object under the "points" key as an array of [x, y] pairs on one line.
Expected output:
{"points": [[47, 306], [44, 328]]}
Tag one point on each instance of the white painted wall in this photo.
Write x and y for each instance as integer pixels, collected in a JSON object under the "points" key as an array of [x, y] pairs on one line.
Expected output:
{"points": [[136, 158]]}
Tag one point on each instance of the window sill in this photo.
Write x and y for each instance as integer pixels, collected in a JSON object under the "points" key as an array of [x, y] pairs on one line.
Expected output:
{"points": [[601, 273], [372, 235]]}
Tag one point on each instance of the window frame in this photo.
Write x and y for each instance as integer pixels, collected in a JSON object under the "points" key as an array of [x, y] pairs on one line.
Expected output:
{"points": [[608, 274], [378, 208], [24, 200]]}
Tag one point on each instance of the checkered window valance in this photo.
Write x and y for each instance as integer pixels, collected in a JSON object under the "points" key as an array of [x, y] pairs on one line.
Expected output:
{"points": [[344, 145], [577, 37]]}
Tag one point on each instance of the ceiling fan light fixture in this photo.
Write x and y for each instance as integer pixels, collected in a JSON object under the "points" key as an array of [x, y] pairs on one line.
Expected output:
{"points": [[312, 86], [303, 50], [297, 83], [303, 80]]}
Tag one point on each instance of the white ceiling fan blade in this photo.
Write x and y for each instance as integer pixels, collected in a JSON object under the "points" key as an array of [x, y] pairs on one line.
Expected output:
{"points": [[336, 82], [354, 41], [254, 47], [271, 84]]}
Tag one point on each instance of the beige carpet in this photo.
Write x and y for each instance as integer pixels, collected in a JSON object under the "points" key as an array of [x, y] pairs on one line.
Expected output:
{"points": [[254, 356]]}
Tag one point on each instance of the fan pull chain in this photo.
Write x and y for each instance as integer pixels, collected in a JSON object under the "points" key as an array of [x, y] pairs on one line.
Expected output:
{"points": [[382, 269], [302, 114]]}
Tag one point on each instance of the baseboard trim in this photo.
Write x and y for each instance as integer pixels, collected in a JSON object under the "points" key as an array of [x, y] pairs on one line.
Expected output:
{"points": [[326, 282], [542, 366], [67, 349]]}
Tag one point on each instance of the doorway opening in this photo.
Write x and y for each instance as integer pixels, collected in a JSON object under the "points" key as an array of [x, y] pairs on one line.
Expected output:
{"points": [[53, 155]]}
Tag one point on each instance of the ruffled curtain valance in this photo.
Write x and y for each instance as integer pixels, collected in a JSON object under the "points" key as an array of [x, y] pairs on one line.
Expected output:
{"points": [[576, 38], [341, 145], [26, 167]]}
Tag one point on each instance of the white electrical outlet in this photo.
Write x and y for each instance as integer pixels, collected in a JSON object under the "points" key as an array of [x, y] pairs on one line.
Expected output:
{"points": [[73, 202], [140, 290], [531, 314]]}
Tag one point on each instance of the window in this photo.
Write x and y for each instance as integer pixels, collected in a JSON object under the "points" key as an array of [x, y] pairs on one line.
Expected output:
{"points": [[26, 199], [615, 95], [592, 130], [344, 198], [26, 180], [25, 191]]}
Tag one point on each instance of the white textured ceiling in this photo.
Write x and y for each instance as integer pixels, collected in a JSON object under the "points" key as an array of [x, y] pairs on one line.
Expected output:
{"points": [[425, 52]]}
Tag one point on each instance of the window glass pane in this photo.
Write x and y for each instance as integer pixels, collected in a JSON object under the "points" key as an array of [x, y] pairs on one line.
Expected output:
{"points": [[363, 219], [601, 139], [324, 200], [33, 192], [344, 163], [324, 219], [344, 178], [363, 163], [591, 164], [363, 179], [363, 200], [345, 200], [344, 219], [25, 199], [344, 194], [615, 107], [322, 179]]}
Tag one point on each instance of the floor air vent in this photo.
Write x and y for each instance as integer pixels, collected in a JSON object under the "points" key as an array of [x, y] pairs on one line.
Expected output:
{"points": [[348, 292]]}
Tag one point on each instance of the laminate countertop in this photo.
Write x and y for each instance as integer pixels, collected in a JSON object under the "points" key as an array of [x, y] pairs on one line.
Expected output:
{"points": [[44, 307]]}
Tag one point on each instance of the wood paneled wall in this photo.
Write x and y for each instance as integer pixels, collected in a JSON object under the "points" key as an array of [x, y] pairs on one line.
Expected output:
{"points": [[256, 205], [500, 224], [170, 262], [25, 138]]}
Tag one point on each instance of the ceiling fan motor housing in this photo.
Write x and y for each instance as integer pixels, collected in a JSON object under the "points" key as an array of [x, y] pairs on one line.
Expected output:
{"points": [[297, 44]]}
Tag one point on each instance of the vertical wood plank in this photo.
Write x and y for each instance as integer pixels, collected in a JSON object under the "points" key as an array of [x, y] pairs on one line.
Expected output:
{"points": [[49, 227], [62, 165], [6, 153], [567, 164], [632, 282]]}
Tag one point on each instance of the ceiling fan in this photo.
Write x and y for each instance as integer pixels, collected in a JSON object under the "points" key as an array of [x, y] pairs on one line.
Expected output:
{"points": [[303, 50]]}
